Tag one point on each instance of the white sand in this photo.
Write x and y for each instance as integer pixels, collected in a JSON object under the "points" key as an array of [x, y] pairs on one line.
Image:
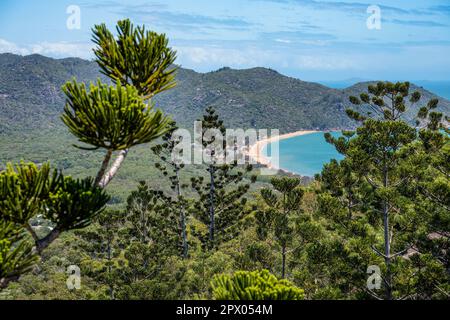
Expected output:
{"points": [[256, 150]]}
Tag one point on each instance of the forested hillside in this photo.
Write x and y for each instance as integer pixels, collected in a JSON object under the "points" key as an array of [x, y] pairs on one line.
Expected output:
{"points": [[31, 96]]}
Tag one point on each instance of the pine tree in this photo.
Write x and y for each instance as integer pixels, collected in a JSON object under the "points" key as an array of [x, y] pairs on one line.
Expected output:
{"points": [[255, 285], [282, 210], [381, 160], [102, 242], [221, 202], [149, 237], [136, 57], [431, 190], [171, 168], [27, 191], [117, 118], [114, 118], [16, 256]]}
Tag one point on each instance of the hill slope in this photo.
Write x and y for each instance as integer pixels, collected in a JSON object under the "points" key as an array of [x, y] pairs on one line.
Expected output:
{"points": [[31, 102], [30, 96]]}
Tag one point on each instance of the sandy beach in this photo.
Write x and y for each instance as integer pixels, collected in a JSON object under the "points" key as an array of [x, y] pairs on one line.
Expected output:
{"points": [[256, 150]]}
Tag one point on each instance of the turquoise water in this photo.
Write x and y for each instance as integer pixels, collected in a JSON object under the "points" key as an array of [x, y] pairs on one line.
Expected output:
{"points": [[441, 88], [305, 155]]}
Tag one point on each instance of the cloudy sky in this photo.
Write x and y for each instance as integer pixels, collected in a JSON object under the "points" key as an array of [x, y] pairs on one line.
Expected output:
{"points": [[307, 39]]}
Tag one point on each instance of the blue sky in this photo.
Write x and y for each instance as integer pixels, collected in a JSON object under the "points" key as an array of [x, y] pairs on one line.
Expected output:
{"points": [[307, 39]]}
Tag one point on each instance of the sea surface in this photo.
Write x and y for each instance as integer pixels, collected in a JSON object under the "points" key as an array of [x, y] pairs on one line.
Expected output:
{"points": [[304, 155], [441, 88]]}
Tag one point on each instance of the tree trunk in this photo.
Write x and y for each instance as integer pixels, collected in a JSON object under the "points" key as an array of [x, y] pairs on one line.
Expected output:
{"points": [[182, 217], [104, 166], [211, 206], [5, 281], [106, 179], [43, 243], [350, 205], [283, 247], [387, 242]]}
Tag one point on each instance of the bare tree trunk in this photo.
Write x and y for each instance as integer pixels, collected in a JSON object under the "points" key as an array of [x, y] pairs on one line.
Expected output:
{"points": [[350, 205], [211, 206], [182, 217], [104, 166], [5, 281], [43, 243], [106, 179], [387, 241], [283, 247]]}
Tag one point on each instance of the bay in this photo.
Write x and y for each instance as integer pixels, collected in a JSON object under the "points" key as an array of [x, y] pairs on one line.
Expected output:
{"points": [[306, 154]]}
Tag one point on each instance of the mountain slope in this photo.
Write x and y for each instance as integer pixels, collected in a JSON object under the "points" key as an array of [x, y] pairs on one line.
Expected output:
{"points": [[30, 89], [31, 102], [259, 98], [31, 97]]}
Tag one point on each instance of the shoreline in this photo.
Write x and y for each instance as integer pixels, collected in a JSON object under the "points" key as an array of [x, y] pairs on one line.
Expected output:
{"points": [[256, 150]]}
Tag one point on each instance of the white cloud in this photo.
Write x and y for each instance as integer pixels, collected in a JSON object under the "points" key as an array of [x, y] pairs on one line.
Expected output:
{"points": [[52, 49], [9, 47], [63, 49], [323, 63], [206, 58], [283, 40], [209, 57], [220, 56]]}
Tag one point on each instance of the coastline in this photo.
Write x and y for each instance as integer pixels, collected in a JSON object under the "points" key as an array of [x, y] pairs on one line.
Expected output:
{"points": [[256, 150]]}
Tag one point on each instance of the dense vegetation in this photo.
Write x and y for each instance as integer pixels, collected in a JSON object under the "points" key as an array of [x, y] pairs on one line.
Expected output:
{"points": [[205, 232]]}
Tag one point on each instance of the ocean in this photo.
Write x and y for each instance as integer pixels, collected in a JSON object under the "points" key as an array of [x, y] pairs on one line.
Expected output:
{"points": [[441, 88], [305, 155]]}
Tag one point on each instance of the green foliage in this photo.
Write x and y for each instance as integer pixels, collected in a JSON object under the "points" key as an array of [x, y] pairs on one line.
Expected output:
{"points": [[27, 191], [255, 285], [16, 256], [394, 178], [221, 202], [282, 212], [103, 240], [376, 197], [117, 118], [171, 169], [385, 100], [151, 218], [22, 191], [73, 203], [114, 118], [137, 57]]}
